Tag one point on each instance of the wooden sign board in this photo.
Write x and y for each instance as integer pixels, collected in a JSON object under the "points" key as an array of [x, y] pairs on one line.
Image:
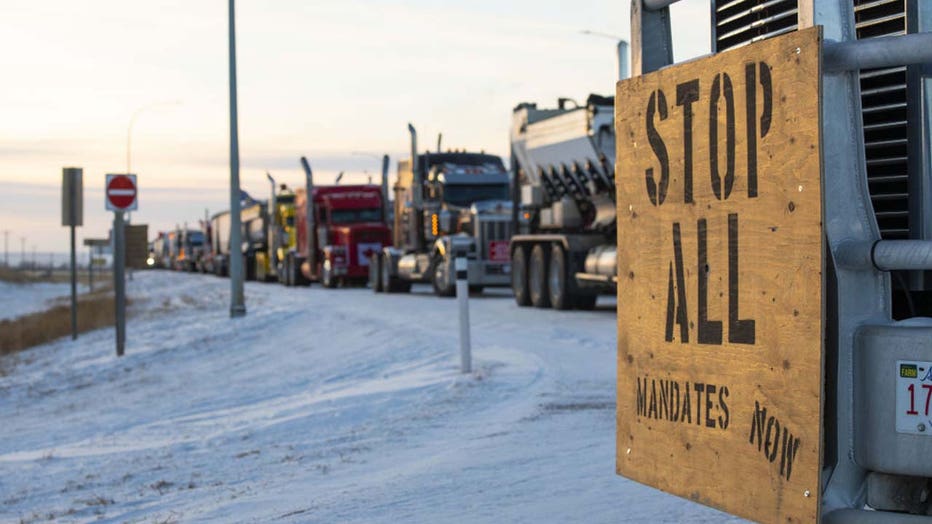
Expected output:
{"points": [[137, 246], [720, 261]]}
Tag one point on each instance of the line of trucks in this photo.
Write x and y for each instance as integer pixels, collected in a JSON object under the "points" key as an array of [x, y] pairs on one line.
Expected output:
{"points": [[545, 226]]}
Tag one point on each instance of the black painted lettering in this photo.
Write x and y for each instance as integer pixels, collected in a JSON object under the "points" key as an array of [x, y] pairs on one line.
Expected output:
{"points": [[768, 438], [750, 83], [757, 425], [740, 331], [767, 92], [687, 407], [676, 404], [642, 397], [657, 192], [722, 395], [652, 409], [664, 399], [699, 389], [677, 311], [721, 85], [709, 391], [686, 94], [791, 449], [709, 331]]}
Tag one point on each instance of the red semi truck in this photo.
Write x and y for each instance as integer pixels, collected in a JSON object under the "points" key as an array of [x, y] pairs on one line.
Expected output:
{"points": [[344, 225]]}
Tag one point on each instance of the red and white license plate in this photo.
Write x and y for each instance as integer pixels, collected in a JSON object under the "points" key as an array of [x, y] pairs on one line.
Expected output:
{"points": [[498, 251], [914, 397]]}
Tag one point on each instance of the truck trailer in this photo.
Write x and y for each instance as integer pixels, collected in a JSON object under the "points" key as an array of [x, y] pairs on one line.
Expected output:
{"points": [[335, 232], [563, 252], [442, 199]]}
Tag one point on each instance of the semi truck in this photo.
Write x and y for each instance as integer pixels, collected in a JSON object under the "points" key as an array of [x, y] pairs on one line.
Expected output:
{"points": [[253, 220], [445, 201], [563, 251], [815, 345], [334, 232]]}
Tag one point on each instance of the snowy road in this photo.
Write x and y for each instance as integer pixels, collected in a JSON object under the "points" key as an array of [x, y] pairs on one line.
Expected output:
{"points": [[321, 406]]}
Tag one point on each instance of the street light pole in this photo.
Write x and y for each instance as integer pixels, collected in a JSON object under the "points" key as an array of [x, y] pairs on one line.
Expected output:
{"points": [[237, 303], [621, 51]]}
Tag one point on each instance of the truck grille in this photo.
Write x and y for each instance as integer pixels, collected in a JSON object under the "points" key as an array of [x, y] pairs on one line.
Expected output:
{"points": [[883, 99], [741, 22], [492, 230], [883, 92]]}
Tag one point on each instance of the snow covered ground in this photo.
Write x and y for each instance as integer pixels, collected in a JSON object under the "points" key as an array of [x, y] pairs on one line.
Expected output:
{"points": [[321, 406], [17, 300]]}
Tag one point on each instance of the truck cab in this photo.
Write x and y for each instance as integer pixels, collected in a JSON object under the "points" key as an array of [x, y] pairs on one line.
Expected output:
{"points": [[447, 198], [348, 228]]}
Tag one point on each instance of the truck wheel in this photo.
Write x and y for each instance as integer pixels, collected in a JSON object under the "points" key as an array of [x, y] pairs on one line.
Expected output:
{"points": [[250, 269], [537, 277], [375, 273], [392, 284], [444, 285], [556, 280], [519, 277]]}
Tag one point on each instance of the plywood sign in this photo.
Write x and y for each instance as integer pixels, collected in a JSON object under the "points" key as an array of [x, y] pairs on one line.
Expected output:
{"points": [[720, 262]]}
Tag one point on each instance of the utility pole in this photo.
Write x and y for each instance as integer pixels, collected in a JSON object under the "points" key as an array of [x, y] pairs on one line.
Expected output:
{"points": [[6, 248], [237, 303], [22, 252]]}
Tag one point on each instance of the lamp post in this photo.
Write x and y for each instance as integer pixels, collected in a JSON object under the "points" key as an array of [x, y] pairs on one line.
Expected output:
{"points": [[621, 50], [237, 303]]}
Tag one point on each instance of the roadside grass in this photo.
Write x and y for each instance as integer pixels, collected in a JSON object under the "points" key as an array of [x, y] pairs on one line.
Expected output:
{"points": [[27, 276], [95, 310]]}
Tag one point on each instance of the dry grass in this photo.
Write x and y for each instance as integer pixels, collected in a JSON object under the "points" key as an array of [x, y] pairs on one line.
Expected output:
{"points": [[25, 276], [95, 310]]}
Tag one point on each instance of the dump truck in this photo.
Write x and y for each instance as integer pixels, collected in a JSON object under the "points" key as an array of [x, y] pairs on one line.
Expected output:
{"points": [[774, 357], [442, 199], [336, 231], [563, 251]]}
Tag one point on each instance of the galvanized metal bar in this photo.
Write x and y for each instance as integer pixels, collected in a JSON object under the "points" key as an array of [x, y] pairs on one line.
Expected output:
{"points": [[654, 5], [886, 255], [875, 53]]}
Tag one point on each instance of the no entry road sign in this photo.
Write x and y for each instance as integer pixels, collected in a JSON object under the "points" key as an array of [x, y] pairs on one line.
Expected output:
{"points": [[121, 192]]}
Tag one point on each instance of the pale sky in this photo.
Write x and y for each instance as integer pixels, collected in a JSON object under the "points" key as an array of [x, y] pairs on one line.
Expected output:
{"points": [[317, 78]]}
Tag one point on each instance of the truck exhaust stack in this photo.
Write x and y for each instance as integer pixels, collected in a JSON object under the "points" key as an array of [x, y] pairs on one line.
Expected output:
{"points": [[309, 216]]}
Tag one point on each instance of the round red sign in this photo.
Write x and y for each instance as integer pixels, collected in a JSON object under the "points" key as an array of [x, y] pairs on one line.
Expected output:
{"points": [[121, 192]]}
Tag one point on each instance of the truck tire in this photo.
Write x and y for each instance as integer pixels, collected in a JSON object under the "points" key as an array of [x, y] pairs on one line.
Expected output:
{"points": [[375, 273], [557, 287], [444, 284], [249, 261], [391, 284], [537, 277], [519, 277]]}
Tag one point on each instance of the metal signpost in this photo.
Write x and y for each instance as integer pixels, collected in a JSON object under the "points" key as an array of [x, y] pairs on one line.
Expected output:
{"points": [[121, 191], [72, 215], [720, 389], [237, 274]]}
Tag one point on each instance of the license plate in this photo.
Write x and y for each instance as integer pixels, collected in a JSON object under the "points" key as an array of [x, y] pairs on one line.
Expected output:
{"points": [[914, 397], [498, 251]]}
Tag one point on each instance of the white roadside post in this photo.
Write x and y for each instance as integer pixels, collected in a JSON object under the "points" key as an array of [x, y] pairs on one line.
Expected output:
{"points": [[462, 298]]}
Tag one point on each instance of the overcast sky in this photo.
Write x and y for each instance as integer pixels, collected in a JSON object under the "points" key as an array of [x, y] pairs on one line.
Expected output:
{"points": [[319, 78]]}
